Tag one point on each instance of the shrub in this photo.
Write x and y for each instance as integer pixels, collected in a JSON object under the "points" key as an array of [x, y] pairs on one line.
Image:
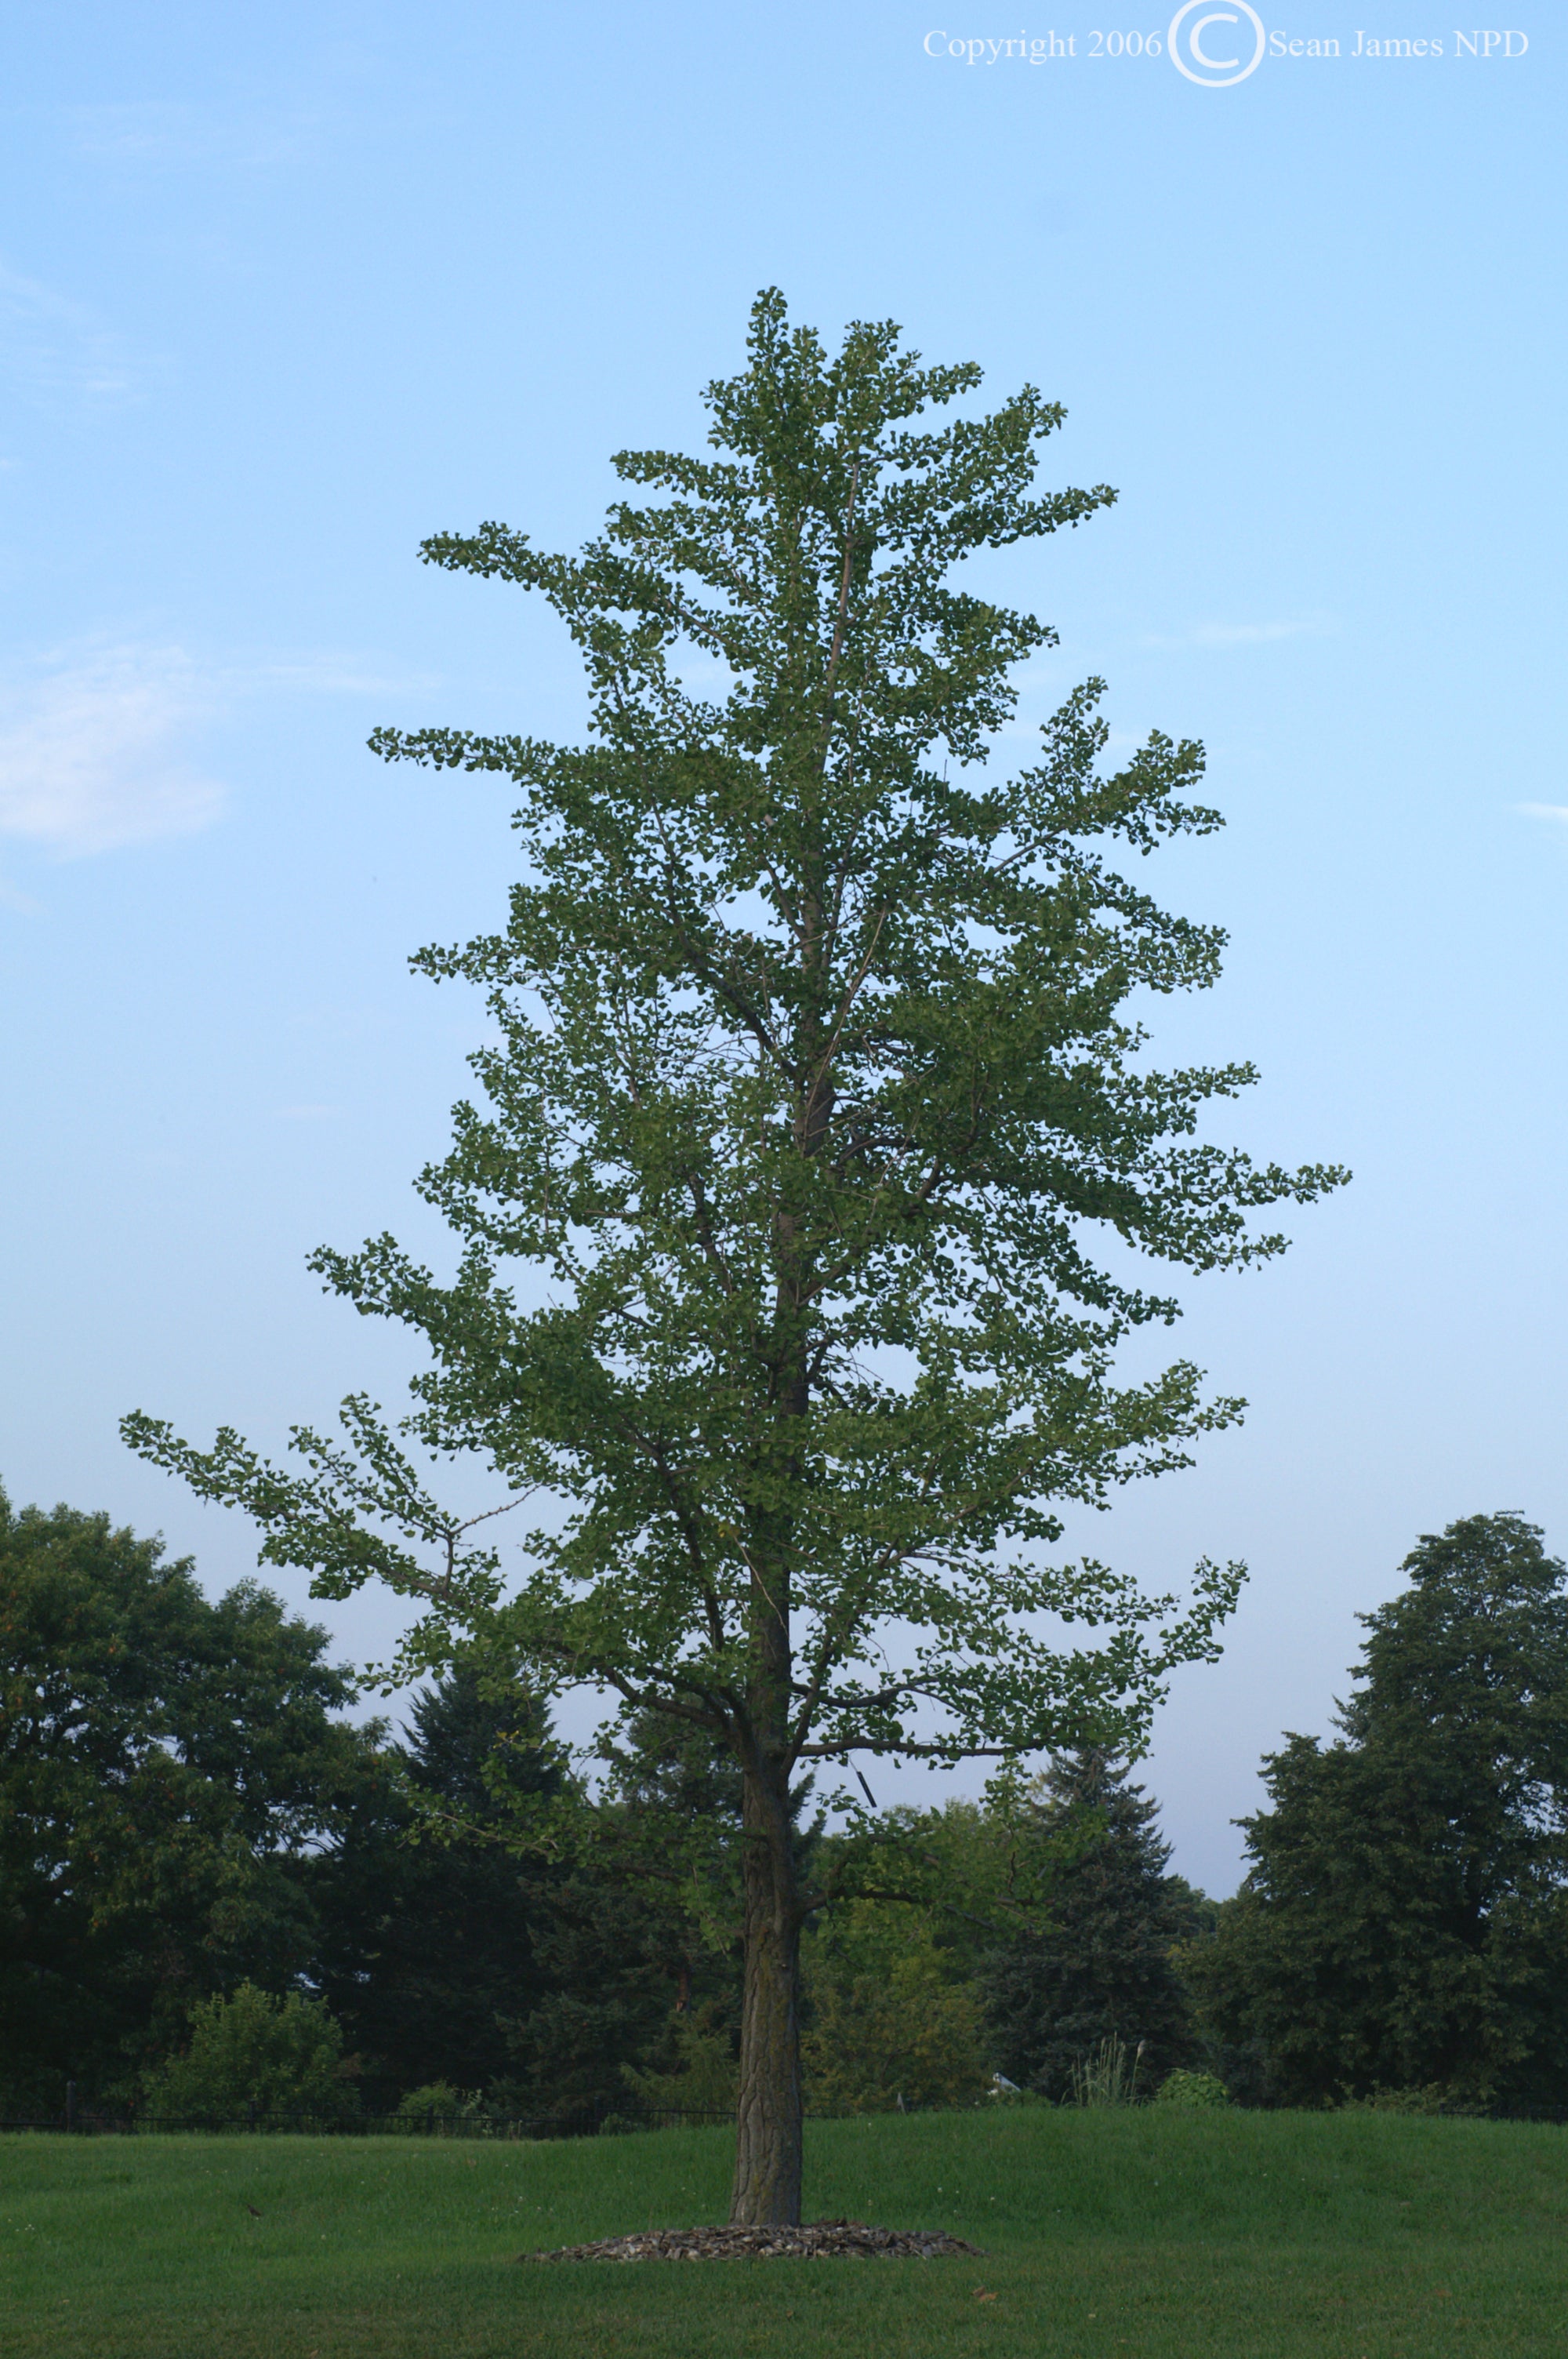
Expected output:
{"points": [[1191, 2089], [437, 2105], [1434, 2098], [279, 2055]]}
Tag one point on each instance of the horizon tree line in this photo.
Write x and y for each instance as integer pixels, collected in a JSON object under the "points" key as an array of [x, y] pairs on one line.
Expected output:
{"points": [[187, 1814]]}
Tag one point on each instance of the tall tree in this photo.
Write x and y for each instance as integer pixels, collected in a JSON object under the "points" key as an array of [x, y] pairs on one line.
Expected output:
{"points": [[1095, 1961], [1404, 1921], [427, 1949], [449, 1957], [167, 1766], [633, 1921], [812, 1086]]}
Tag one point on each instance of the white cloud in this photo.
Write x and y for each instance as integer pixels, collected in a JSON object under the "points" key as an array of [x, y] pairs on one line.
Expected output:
{"points": [[93, 740], [1242, 634], [90, 751], [50, 345], [1543, 810]]}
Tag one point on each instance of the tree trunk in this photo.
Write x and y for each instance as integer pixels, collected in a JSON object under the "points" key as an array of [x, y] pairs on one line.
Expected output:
{"points": [[768, 2128], [768, 2124]]}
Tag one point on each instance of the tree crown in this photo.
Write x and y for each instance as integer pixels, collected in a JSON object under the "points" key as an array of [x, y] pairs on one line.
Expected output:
{"points": [[814, 1082]]}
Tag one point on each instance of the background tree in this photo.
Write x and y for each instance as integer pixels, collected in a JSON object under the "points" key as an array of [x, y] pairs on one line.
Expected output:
{"points": [[167, 1765], [813, 1084], [281, 2054], [639, 1932], [428, 1925], [890, 2017], [1095, 1961], [455, 1961], [1404, 1922]]}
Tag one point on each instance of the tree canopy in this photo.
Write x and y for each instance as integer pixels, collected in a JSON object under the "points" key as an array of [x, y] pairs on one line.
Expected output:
{"points": [[817, 1073], [1404, 1922], [426, 1927], [166, 1766], [253, 2050], [1095, 1961]]}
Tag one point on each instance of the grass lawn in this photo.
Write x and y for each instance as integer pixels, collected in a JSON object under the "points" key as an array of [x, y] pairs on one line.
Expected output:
{"points": [[1154, 2236]]}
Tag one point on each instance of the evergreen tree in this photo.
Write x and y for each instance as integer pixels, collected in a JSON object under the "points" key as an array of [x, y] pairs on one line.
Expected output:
{"points": [[1404, 1921], [617, 1973], [428, 1947], [451, 1960], [638, 1936], [1097, 1964]]}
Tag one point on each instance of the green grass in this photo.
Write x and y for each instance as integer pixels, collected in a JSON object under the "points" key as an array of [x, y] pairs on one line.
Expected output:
{"points": [[1110, 2236]]}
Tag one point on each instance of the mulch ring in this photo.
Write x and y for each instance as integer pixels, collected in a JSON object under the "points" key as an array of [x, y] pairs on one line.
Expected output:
{"points": [[823, 2240]]}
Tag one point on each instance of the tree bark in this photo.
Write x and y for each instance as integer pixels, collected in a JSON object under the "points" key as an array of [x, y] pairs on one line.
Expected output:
{"points": [[768, 2126], [768, 2131]]}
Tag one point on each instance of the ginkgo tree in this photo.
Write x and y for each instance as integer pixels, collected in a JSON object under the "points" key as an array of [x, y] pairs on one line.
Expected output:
{"points": [[814, 1082]]}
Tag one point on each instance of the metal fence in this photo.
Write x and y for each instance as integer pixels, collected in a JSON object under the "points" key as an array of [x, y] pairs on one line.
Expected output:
{"points": [[599, 2120], [596, 2120]]}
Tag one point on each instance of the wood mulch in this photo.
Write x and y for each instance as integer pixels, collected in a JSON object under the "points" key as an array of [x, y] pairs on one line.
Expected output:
{"points": [[823, 2240]]}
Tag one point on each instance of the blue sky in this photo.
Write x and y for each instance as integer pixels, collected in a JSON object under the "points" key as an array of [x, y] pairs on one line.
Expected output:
{"points": [[285, 289]]}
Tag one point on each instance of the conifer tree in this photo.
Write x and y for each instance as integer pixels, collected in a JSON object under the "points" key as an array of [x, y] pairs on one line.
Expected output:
{"points": [[813, 1084], [450, 1959], [427, 1948], [639, 1931], [1097, 1962]]}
